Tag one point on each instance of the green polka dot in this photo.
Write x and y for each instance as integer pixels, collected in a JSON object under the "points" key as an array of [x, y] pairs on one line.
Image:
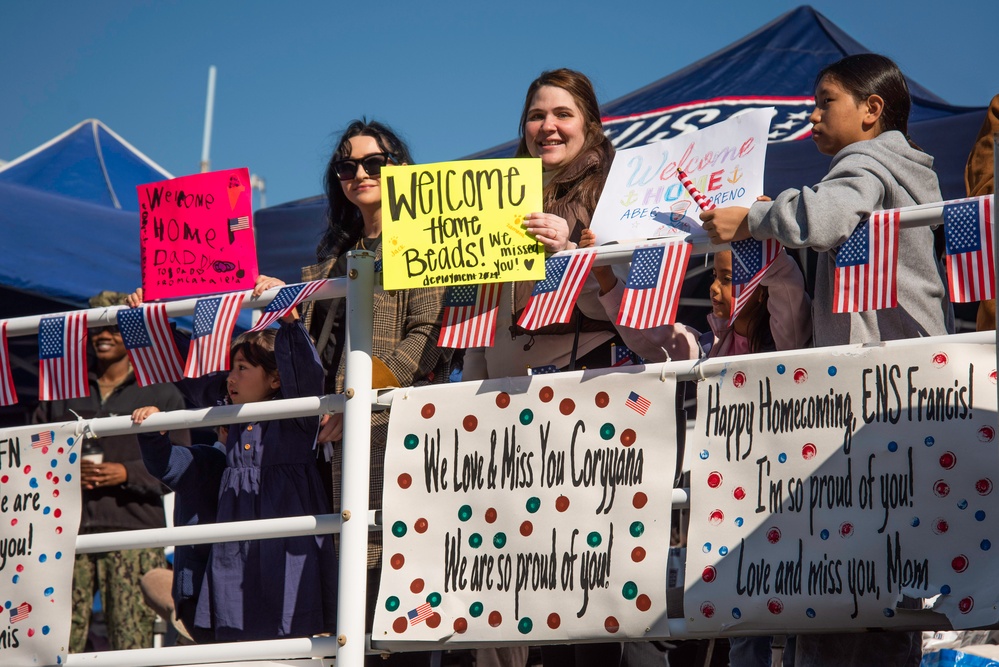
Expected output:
{"points": [[465, 512], [475, 540], [526, 416], [412, 441], [637, 529], [399, 529], [499, 540], [533, 504], [392, 603], [475, 610], [434, 599], [525, 626], [594, 539], [630, 590], [607, 431]]}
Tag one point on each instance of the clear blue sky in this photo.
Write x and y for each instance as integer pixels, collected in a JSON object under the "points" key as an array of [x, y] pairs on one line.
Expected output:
{"points": [[449, 75]]}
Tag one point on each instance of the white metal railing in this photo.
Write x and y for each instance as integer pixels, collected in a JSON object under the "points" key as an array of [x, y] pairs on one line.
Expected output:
{"points": [[356, 405]]}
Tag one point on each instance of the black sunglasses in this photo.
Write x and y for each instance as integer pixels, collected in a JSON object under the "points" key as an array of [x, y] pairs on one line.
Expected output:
{"points": [[346, 169], [110, 328]]}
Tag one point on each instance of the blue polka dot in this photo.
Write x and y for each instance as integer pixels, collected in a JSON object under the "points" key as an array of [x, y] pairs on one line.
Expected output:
{"points": [[706, 547], [945, 590], [46, 510], [33, 483], [986, 545], [915, 521], [6, 605], [738, 521], [72, 457], [824, 533], [929, 441], [980, 515], [15, 578], [889, 612], [45, 629], [58, 555], [832, 371], [68, 477], [704, 455], [892, 446], [736, 612], [43, 558], [810, 613], [723, 551], [962, 504], [782, 457], [780, 369], [49, 590], [54, 463]]}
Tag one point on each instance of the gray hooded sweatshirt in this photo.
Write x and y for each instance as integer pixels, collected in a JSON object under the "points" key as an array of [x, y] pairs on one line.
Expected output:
{"points": [[882, 173]]}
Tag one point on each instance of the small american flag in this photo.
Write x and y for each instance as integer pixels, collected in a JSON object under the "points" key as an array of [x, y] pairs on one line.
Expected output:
{"points": [[214, 320], [652, 292], [62, 357], [703, 202], [43, 439], [553, 298], [239, 224], [621, 355], [420, 614], [750, 261], [542, 370], [866, 265], [469, 316], [8, 396], [285, 301], [638, 403], [20, 612], [971, 265], [151, 348]]}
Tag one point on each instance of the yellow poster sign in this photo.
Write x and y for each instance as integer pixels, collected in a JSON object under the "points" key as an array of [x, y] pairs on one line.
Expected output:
{"points": [[455, 223]]}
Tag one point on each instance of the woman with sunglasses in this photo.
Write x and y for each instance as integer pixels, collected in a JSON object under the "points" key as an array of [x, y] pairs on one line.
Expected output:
{"points": [[406, 322]]}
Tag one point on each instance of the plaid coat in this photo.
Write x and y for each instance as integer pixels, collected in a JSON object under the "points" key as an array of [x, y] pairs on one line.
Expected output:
{"points": [[405, 330]]}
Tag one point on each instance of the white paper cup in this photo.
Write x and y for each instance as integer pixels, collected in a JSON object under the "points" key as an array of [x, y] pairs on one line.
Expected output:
{"points": [[93, 458]]}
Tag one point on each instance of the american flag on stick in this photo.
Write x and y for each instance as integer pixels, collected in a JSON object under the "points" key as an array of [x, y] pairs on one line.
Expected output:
{"points": [[652, 292], [866, 265], [8, 396], [214, 320], [151, 348], [469, 316], [703, 202], [62, 357], [553, 298], [971, 264], [750, 261], [285, 301]]}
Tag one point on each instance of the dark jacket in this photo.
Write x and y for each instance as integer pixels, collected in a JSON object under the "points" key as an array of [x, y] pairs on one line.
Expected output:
{"points": [[138, 502]]}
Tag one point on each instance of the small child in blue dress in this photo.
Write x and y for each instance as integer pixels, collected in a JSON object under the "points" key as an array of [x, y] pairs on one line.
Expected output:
{"points": [[279, 587]]}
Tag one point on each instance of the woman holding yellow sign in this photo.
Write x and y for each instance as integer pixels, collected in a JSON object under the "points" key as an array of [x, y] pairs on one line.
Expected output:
{"points": [[560, 124]]}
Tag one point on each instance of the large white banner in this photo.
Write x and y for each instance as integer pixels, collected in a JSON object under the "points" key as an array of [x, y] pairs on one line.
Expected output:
{"points": [[643, 198], [39, 519], [826, 486], [528, 509]]}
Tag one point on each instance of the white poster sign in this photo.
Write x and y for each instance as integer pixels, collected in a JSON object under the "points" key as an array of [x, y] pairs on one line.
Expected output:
{"points": [[643, 198], [825, 487], [39, 519], [528, 509]]}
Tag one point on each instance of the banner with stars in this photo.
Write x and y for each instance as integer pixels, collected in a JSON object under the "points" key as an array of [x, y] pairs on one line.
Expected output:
{"points": [[537, 512], [40, 515], [823, 488]]}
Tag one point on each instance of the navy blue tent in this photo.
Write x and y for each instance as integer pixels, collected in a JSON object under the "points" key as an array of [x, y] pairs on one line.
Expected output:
{"points": [[774, 66]]}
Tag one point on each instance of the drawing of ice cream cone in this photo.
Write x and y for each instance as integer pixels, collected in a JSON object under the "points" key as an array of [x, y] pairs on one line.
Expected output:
{"points": [[678, 210], [236, 188]]}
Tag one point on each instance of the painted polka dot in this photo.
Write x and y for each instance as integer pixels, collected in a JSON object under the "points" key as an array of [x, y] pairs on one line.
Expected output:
{"points": [[405, 480], [495, 619], [739, 493], [567, 406], [638, 554], [948, 460], [636, 529], [546, 394], [554, 621], [470, 423], [464, 512], [533, 504], [611, 625], [983, 486], [526, 528], [399, 625], [832, 371], [397, 561], [630, 590], [421, 525], [416, 586], [499, 540], [475, 609], [399, 529], [639, 500], [411, 441], [460, 623], [643, 602], [607, 431], [775, 606], [561, 503], [594, 539], [526, 416], [434, 620], [475, 540], [434, 599], [716, 517], [428, 410], [892, 446], [392, 603], [714, 479], [491, 515], [502, 400], [808, 451], [525, 625], [628, 437], [602, 399]]}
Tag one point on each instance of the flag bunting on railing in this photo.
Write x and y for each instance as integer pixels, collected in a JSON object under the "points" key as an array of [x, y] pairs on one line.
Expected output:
{"points": [[62, 357], [866, 265], [553, 298], [285, 301], [214, 320], [751, 259], [971, 266], [151, 347], [469, 316], [8, 395], [652, 291]]}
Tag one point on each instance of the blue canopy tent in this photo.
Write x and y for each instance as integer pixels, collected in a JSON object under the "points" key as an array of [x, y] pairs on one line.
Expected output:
{"points": [[774, 66]]}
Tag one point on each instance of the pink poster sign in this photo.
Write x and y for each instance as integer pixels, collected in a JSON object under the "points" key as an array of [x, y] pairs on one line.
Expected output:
{"points": [[196, 235]]}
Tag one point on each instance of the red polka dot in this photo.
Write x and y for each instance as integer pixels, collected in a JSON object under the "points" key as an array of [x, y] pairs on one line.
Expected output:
{"points": [[55, 480], [470, 423], [31, 632], [48, 475], [638, 554], [416, 586], [714, 479], [399, 625], [460, 625], [567, 406], [428, 410], [19, 568], [628, 437], [495, 619], [639, 500], [58, 530], [405, 481], [739, 493], [643, 602], [397, 561], [554, 621], [421, 525], [13, 522], [502, 401], [561, 503], [57, 513], [602, 399], [546, 394], [434, 620], [611, 625], [491, 515], [526, 528], [27, 469], [4, 479], [55, 493]]}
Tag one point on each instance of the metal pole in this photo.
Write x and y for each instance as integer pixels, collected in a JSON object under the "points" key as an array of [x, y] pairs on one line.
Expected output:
{"points": [[209, 109], [356, 445]]}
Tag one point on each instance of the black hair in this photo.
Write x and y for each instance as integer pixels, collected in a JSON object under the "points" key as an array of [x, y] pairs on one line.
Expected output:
{"points": [[866, 74], [345, 222], [257, 348]]}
